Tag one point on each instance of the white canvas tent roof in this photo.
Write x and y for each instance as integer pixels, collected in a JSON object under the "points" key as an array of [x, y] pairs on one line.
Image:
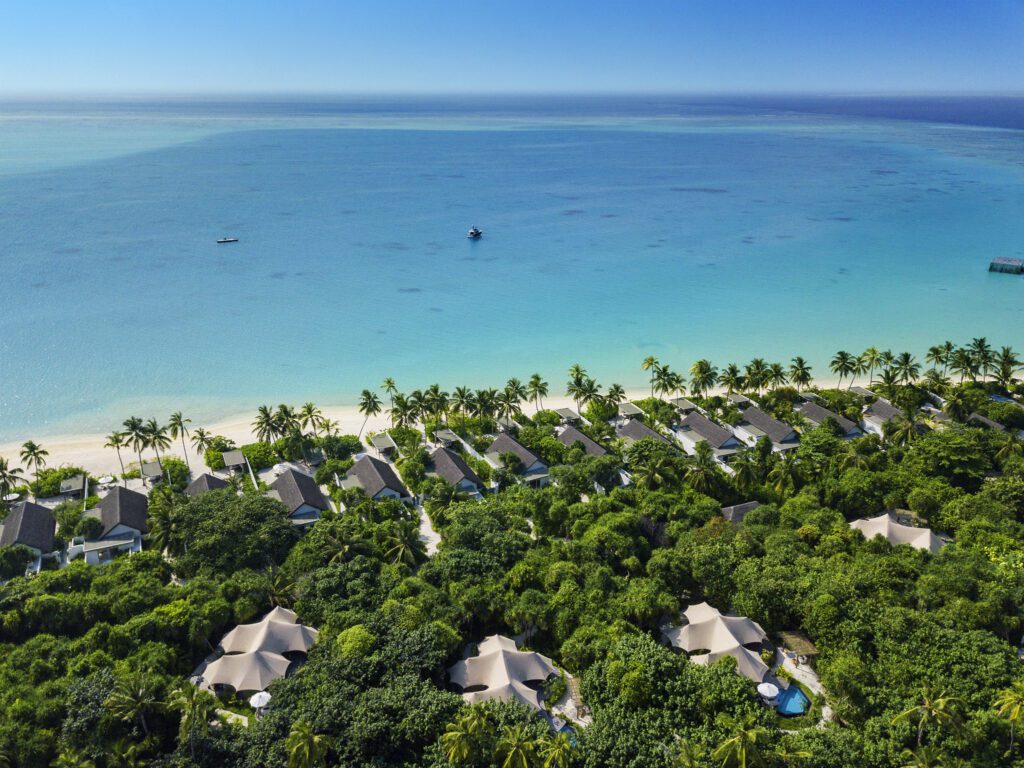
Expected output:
{"points": [[896, 533], [246, 671], [707, 629], [503, 671], [270, 634]]}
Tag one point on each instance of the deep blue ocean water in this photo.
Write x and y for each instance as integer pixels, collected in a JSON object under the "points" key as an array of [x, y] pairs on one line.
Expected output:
{"points": [[614, 228]]}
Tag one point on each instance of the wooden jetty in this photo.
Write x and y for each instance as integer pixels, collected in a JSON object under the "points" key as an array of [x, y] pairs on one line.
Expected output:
{"points": [[1008, 265]]}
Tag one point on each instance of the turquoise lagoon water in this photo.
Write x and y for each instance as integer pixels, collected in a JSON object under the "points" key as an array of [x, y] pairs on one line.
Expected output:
{"points": [[613, 230]]}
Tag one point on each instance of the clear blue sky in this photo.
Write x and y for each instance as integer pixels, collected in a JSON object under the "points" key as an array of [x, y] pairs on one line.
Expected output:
{"points": [[405, 46]]}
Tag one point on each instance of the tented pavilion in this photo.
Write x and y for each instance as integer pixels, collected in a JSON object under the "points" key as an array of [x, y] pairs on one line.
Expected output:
{"points": [[896, 533], [254, 654], [502, 671], [708, 630]]}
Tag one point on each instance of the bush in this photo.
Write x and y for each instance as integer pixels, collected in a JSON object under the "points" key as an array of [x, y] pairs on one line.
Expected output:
{"points": [[221, 443], [14, 560], [339, 447], [214, 459], [177, 471], [260, 455], [325, 472], [49, 480]]}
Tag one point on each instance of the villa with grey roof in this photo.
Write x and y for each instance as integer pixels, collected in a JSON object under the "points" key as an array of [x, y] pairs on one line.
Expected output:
{"points": [[123, 515], [302, 496], [633, 429], [531, 468], [453, 469], [877, 415], [817, 415], [570, 436], [755, 424], [376, 478], [30, 525], [204, 484], [696, 428]]}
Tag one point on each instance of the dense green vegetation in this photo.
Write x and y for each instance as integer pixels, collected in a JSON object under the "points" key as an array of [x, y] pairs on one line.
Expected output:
{"points": [[917, 651]]}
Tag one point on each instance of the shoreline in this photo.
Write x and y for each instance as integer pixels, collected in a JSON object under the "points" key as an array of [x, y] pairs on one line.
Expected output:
{"points": [[86, 449]]}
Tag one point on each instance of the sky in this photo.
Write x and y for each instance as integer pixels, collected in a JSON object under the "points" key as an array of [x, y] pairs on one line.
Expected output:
{"points": [[520, 46]]}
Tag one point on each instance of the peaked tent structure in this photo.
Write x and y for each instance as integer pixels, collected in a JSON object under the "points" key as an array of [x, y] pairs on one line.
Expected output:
{"points": [[502, 671], [707, 629], [278, 632], [252, 671], [896, 533]]}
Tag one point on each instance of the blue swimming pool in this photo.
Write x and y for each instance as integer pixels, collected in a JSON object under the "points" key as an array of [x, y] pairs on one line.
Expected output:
{"points": [[792, 702]]}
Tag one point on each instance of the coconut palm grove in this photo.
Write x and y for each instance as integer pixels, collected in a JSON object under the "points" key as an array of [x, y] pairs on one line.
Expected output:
{"points": [[745, 565]]}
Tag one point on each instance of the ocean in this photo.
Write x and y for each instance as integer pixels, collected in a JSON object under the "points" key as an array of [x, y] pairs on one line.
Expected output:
{"points": [[614, 228]]}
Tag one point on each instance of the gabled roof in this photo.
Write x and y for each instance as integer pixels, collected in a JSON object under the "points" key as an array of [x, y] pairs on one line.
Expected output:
{"points": [[296, 489], [736, 513], [629, 409], [683, 405], [704, 428], [505, 444], [634, 430], [739, 399], [374, 475], [123, 507], [882, 410], [817, 415], [568, 414], [777, 431], [452, 468], [204, 483], [570, 436], [382, 441], [984, 421], [29, 524]]}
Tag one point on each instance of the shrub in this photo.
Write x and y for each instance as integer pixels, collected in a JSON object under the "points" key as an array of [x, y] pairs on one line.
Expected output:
{"points": [[49, 480], [260, 455], [214, 459], [177, 471], [14, 560], [339, 446], [326, 471], [221, 443]]}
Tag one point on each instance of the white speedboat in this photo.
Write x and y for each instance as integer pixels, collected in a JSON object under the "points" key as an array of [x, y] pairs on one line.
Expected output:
{"points": [[223, 240], [474, 234]]}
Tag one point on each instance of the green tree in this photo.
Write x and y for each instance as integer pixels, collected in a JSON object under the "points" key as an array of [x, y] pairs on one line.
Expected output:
{"points": [[744, 747], [462, 737], [310, 417], [939, 710], [264, 425], [197, 709], [537, 390], [516, 748], [134, 696], [1009, 705], [177, 425], [33, 456], [800, 373], [116, 440], [369, 405], [556, 751], [306, 748]]}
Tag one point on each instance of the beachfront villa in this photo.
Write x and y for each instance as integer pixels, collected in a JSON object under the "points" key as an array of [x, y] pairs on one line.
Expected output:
{"points": [[628, 410], [384, 444], [568, 416], [501, 671], [453, 469], [376, 478], [570, 436], [896, 533], [755, 424], [33, 526], [204, 484], [631, 430], [696, 428], [877, 415], [684, 406], [708, 635], [122, 514], [817, 415], [532, 470], [301, 495]]}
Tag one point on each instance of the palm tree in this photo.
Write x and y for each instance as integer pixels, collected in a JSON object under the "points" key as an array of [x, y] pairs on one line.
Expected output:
{"points": [[577, 372], [1006, 365], [404, 545], [1009, 705], [462, 397], [537, 390], [516, 747], [590, 391], [33, 456], [176, 425], [516, 390], [777, 375], [702, 473], [165, 534], [133, 696], [507, 404], [281, 590], [785, 475], [907, 367], [731, 378], [9, 477], [388, 385], [923, 757], [745, 468], [1009, 446], [201, 441], [703, 376], [72, 758], [555, 751], [157, 439], [935, 356], [937, 709], [903, 429], [461, 737], [264, 426], [615, 395], [842, 365], [116, 440], [935, 382], [800, 372], [310, 417], [369, 405], [651, 364], [197, 708], [964, 363], [870, 358], [756, 372], [688, 755], [654, 471], [983, 355], [665, 380], [135, 431], [307, 749], [742, 748], [285, 420]]}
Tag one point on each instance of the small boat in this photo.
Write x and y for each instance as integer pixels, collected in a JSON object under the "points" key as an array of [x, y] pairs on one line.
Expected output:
{"points": [[474, 234], [223, 240]]}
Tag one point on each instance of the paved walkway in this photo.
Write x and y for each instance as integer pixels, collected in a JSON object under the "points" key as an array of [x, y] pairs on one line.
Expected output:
{"points": [[428, 535]]}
